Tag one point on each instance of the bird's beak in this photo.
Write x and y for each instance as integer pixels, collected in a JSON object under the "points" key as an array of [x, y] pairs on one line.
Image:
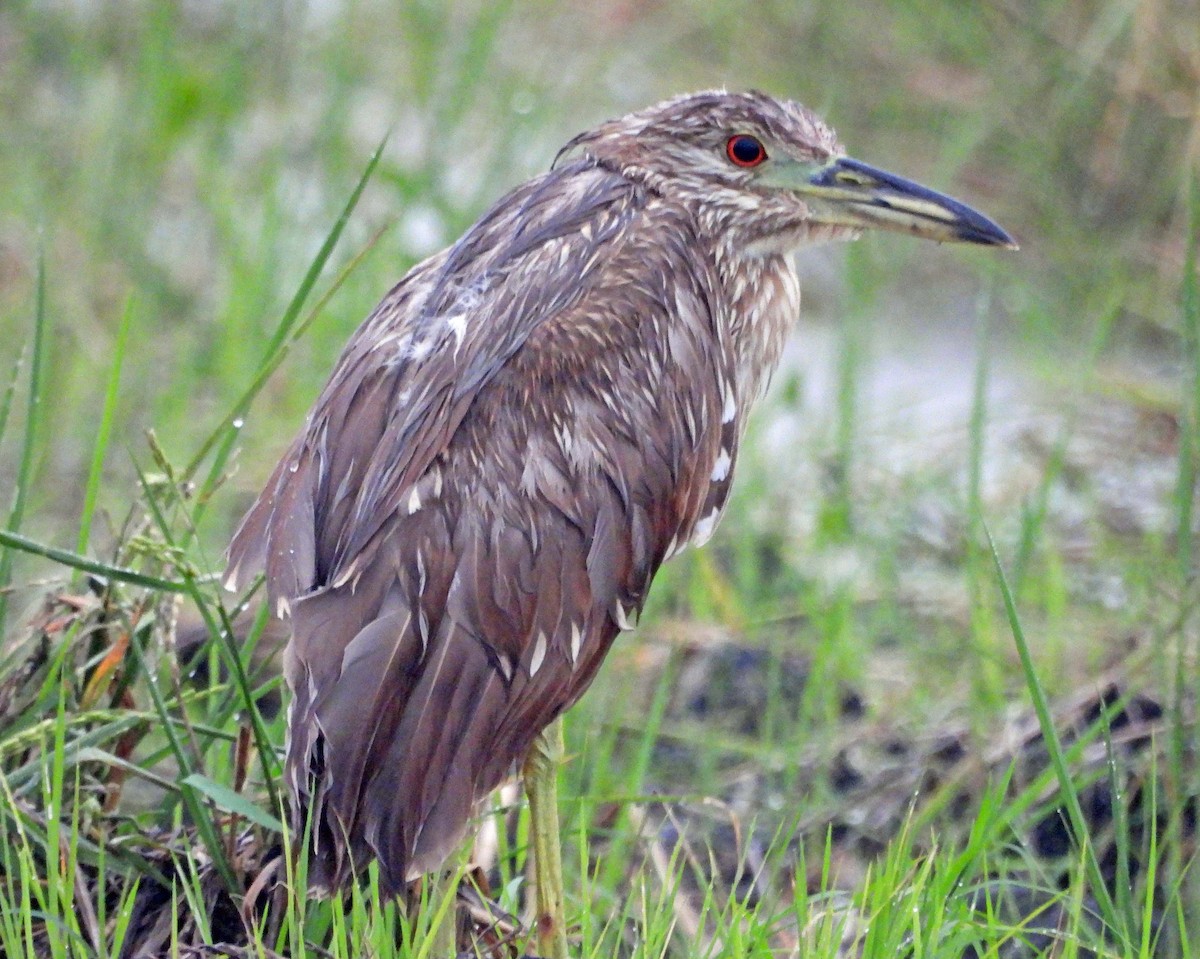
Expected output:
{"points": [[846, 192]]}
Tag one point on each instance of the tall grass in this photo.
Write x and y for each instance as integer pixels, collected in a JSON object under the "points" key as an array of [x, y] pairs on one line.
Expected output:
{"points": [[179, 263]]}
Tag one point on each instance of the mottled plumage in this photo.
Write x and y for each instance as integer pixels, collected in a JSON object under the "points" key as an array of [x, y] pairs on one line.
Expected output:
{"points": [[515, 440]]}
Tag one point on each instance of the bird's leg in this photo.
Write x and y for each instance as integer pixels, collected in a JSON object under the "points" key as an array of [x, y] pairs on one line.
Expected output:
{"points": [[541, 786]]}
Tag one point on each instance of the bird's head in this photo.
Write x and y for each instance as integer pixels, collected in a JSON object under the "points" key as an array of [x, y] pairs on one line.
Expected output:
{"points": [[771, 175]]}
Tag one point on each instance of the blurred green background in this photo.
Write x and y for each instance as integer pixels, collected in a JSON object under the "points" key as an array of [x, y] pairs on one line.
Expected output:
{"points": [[181, 163]]}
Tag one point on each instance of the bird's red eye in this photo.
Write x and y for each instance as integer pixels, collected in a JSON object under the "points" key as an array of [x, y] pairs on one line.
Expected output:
{"points": [[745, 150]]}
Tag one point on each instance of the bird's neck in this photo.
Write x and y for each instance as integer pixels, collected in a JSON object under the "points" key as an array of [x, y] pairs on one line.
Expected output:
{"points": [[762, 304]]}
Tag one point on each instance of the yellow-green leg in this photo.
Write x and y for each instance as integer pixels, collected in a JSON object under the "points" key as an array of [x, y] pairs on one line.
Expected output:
{"points": [[541, 786]]}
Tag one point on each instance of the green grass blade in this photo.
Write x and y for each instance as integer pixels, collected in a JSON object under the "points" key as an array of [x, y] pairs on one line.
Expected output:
{"points": [[32, 420], [228, 444], [1151, 880], [1180, 769], [1123, 878], [272, 357], [122, 574], [1054, 749], [1190, 297], [191, 799], [11, 390], [104, 431], [986, 685], [234, 802], [223, 628]]}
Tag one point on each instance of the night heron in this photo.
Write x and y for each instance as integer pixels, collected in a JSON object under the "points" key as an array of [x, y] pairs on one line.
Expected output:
{"points": [[521, 433]]}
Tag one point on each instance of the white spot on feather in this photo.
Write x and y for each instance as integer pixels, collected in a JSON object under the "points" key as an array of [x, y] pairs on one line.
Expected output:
{"points": [[419, 350], [704, 529], [689, 419], [506, 666], [566, 441], [342, 580], [283, 609], [458, 326], [626, 618], [739, 285], [721, 467], [576, 642], [539, 655], [730, 410], [414, 501], [423, 630]]}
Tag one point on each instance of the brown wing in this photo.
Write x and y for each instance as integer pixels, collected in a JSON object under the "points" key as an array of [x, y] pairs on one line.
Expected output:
{"points": [[507, 451]]}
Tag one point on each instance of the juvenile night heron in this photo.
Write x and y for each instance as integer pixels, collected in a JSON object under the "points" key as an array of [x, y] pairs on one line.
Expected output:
{"points": [[521, 433]]}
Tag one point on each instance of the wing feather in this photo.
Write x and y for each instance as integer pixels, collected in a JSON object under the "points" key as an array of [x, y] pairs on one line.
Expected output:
{"points": [[506, 452]]}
